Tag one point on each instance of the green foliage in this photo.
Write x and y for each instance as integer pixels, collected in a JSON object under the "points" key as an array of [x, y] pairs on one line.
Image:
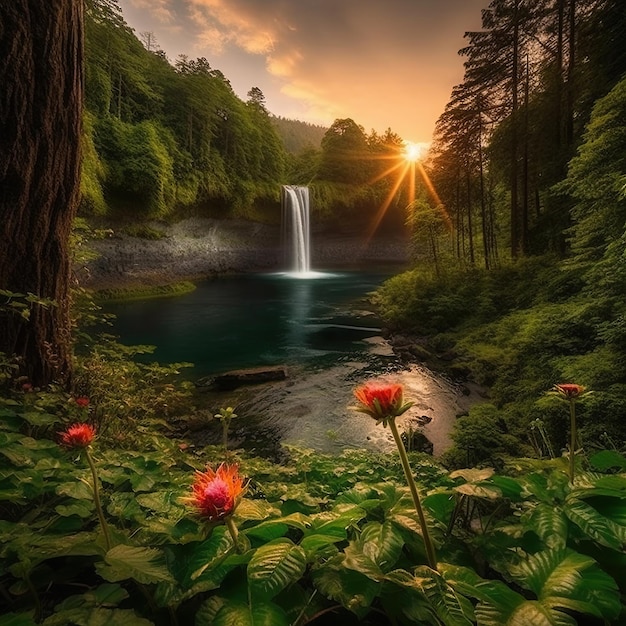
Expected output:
{"points": [[316, 533]]}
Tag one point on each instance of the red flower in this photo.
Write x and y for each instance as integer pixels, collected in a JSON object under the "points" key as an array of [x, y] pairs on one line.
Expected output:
{"points": [[569, 390], [381, 400], [78, 436], [82, 401], [216, 493]]}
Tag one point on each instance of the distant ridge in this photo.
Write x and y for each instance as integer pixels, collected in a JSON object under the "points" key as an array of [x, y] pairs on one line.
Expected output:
{"points": [[298, 136]]}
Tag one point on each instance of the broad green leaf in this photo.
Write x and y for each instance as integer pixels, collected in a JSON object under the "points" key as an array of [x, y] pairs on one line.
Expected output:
{"points": [[567, 579], [36, 418], [594, 525], [77, 489], [277, 527], [265, 614], [336, 522], [254, 510], [274, 566], [17, 619], [612, 508], [494, 592], [312, 543], [473, 475], [509, 487], [97, 616], [440, 505], [160, 502], [205, 615], [450, 607], [479, 491], [355, 559], [208, 554], [81, 508], [550, 524], [528, 613], [145, 565], [351, 589], [382, 543], [608, 459]]}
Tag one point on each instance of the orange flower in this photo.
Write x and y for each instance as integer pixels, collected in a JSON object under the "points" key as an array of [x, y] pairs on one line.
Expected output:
{"points": [[569, 390], [381, 401], [78, 436], [216, 493], [82, 401]]}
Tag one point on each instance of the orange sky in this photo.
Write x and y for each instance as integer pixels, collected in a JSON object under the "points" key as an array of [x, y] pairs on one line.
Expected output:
{"points": [[383, 63]]}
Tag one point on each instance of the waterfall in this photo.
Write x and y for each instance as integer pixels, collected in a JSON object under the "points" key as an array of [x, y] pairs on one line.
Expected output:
{"points": [[295, 215]]}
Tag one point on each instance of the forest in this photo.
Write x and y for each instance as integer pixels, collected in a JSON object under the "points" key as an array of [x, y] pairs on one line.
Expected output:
{"points": [[518, 229]]}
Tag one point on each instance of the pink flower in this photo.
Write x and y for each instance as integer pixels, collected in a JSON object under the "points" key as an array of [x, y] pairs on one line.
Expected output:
{"points": [[381, 400], [569, 390], [78, 436], [82, 401], [26, 387], [216, 493]]}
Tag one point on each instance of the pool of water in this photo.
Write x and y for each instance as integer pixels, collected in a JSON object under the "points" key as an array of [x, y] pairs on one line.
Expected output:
{"points": [[258, 319], [321, 328]]}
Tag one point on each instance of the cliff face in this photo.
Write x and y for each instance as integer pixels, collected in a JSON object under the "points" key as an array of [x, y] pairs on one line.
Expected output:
{"points": [[201, 247]]}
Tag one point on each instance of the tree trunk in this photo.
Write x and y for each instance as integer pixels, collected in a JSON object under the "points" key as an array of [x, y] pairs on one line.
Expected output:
{"points": [[515, 227], [41, 73]]}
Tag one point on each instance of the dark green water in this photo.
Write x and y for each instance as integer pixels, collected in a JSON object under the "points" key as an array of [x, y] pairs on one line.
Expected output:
{"points": [[258, 319]]}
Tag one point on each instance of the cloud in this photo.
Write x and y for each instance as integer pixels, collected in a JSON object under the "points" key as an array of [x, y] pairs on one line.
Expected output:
{"points": [[383, 64]]}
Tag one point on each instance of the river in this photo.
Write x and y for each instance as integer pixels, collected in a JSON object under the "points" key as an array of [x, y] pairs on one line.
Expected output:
{"points": [[323, 331]]}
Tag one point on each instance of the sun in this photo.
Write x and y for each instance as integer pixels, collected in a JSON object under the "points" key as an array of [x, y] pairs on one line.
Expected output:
{"points": [[414, 152]]}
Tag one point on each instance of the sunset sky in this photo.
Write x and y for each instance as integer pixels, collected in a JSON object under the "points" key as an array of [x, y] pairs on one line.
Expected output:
{"points": [[383, 63]]}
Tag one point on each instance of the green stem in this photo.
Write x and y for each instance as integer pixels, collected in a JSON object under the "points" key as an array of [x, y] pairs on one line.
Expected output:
{"points": [[234, 533], [428, 544], [96, 499], [572, 439]]}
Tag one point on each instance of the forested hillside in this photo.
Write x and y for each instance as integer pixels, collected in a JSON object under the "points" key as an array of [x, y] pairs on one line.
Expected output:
{"points": [[165, 138], [521, 270]]}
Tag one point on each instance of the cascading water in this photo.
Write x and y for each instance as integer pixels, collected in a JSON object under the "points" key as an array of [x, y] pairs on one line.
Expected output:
{"points": [[295, 216]]}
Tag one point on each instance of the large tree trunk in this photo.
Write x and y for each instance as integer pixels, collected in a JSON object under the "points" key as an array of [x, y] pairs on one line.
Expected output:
{"points": [[41, 91]]}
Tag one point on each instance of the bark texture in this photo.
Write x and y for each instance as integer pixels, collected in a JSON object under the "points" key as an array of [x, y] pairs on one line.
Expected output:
{"points": [[41, 93]]}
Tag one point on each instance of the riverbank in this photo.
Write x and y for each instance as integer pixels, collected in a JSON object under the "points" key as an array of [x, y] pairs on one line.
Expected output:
{"points": [[198, 248]]}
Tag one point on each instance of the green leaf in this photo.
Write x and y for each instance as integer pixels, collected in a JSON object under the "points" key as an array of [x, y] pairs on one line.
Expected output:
{"points": [[15, 619], [473, 475], [550, 524], [469, 583], [76, 489], [253, 510], [479, 491], [277, 527], [97, 616], [265, 614], [450, 607], [313, 543], [528, 613], [382, 543], [274, 566], [351, 589], [608, 459], [145, 565], [567, 579], [593, 524], [197, 558]]}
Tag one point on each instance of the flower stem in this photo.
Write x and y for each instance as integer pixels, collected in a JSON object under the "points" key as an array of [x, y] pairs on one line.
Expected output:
{"points": [[428, 544], [96, 499], [572, 439], [234, 533]]}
